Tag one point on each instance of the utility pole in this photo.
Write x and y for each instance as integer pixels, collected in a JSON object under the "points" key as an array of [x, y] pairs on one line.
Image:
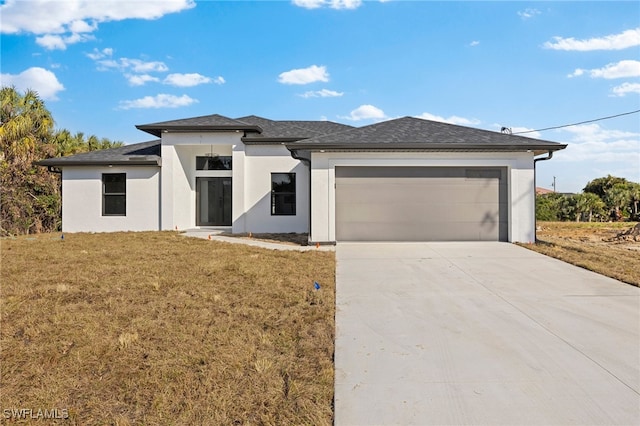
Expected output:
{"points": [[554, 184]]}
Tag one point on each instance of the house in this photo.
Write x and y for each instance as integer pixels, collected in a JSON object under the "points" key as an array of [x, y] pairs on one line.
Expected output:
{"points": [[402, 179], [543, 191]]}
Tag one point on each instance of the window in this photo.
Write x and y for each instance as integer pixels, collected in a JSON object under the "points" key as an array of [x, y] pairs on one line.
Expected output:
{"points": [[114, 194], [283, 193], [213, 163]]}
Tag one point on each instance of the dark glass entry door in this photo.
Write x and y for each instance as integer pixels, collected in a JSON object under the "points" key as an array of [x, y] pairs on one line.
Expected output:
{"points": [[213, 201]]}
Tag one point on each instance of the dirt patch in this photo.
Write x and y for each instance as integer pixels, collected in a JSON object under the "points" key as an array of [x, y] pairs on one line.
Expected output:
{"points": [[599, 247]]}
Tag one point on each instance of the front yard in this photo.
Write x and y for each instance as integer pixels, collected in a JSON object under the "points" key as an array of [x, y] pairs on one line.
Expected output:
{"points": [[593, 246], [156, 328]]}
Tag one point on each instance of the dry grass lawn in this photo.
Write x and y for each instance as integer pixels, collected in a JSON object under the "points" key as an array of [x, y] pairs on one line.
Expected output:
{"points": [[592, 246], [156, 328]]}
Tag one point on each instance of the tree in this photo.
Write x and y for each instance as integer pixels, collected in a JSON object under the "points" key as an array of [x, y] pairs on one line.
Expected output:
{"points": [[549, 207], [601, 186], [618, 197], [30, 197], [634, 192], [29, 194], [588, 204], [68, 144]]}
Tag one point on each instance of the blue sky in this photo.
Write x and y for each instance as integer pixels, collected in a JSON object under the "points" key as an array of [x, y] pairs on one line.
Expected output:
{"points": [[105, 66]]}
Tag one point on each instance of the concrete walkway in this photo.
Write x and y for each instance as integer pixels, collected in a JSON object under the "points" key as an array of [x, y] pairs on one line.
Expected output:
{"points": [[214, 235], [481, 333]]}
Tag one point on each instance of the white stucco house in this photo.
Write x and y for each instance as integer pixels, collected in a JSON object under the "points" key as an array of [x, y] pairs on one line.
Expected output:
{"points": [[406, 179]]}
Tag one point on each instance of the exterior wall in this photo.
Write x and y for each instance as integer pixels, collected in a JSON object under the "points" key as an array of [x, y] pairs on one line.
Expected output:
{"points": [[250, 180], [82, 199], [520, 175], [179, 151], [260, 162]]}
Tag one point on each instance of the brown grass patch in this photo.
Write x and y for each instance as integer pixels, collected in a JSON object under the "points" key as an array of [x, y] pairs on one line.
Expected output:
{"points": [[155, 328], [591, 246]]}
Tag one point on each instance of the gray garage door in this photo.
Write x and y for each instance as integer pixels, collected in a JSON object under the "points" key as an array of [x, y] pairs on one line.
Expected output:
{"points": [[421, 204]]}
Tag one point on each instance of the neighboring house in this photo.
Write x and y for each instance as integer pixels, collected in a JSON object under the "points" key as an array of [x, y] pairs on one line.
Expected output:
{"points": [[402, 179], [544, 191]]}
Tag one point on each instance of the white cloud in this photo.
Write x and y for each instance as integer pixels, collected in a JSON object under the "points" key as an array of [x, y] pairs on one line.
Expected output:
{"points": [[80, 26], [333, 4], [100, 54], [366, 112], [186, 80], [345, 4], [48, 17], [57, 42], [590, 142], [625, 88], [140, 79], [528, 13], [159, 101], [136, 71], [324, 93], [60, 24], [304, 75], [622, 69], [104, 60], [577, 73], [309, 4], [623, 40], [474, 43], [454, 119], [51, 42], [138, 65], [39, 79]]}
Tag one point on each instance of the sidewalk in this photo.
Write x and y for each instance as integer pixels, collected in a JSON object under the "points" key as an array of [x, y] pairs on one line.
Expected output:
{"points": [[215, 235]]}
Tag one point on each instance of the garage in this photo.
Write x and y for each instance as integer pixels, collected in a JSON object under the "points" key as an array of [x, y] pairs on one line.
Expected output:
{"points": [[421, 203]]}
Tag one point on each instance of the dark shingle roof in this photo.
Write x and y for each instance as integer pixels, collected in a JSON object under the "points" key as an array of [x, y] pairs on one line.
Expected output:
{"points": [[321, 127], [289, 130], [410, 133], [276, 130], [406, 133], [137, 154], [204, 123]]}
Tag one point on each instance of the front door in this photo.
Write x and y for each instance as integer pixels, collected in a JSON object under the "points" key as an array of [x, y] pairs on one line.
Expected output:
{"points": [[213, 201]]}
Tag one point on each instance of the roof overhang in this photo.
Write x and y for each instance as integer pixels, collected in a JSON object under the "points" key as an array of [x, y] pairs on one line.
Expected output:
{"points": [[409, 147], [159, 130], [247, 140], [58, 162]]}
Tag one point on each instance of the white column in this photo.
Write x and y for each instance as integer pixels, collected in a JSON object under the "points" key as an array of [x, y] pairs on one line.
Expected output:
{"points": [[238, 189], [319, 227], [169, 159]]}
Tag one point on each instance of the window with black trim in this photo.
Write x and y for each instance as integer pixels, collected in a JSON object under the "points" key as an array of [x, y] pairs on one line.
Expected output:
{"points": [[283, 194], [114, 194], [216, 162]]}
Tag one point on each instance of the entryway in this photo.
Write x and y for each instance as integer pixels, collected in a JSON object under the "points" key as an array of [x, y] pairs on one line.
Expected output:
{"points": [[213, 201]]}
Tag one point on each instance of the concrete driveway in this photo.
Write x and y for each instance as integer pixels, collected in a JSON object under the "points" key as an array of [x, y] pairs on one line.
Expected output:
{"points": [[481, 333]]}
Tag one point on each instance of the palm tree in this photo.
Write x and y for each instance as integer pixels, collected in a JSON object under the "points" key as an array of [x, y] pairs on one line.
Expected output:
{"points": [[589, 204], [26, 124], [618, 197], [29, 200], [634, 190]]}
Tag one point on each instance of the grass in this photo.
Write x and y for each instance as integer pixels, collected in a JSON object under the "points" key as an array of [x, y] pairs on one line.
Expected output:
{"points": [[157, 328], [591, 246]]}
